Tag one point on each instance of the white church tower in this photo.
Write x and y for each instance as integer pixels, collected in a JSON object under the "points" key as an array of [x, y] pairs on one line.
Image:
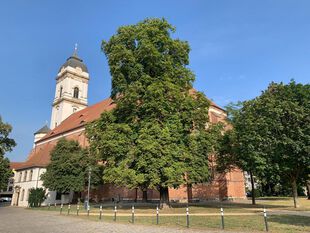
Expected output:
{"points": [[71, 89]]}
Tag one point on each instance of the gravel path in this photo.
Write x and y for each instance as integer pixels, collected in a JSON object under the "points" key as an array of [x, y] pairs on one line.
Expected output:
{"points": [[19, 220]]}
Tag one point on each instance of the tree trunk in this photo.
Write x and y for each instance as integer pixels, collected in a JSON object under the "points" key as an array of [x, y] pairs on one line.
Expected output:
{"points": [[136, 197], [295, 194], [189, 193], [252, 188], [164, 197], [144, 195]]}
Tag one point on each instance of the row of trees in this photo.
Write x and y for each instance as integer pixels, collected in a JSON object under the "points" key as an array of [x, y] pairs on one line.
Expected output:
{"points": [[157, 136]]}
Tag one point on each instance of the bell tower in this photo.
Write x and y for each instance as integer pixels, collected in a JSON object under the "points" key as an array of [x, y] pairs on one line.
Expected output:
{"points": [[71, 89]]}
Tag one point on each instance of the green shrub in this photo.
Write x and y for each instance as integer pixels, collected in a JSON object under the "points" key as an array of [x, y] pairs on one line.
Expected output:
{"points": [[36, 197]]}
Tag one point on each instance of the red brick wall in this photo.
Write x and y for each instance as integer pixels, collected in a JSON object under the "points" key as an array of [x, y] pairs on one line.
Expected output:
{"points": [[224, 186], [235, 184]]}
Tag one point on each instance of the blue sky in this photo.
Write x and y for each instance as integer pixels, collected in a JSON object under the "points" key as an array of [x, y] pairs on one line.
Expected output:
{"points": [[238, 47]]}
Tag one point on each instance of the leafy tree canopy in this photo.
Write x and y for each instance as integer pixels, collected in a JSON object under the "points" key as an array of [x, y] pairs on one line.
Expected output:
{"points": [[69, 166], [36, 197], [271, 134], [285, 110], [6, 145], [156, 137]]}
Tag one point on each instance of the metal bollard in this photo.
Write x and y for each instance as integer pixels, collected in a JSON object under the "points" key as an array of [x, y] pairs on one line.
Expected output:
{"points": [[100, 209], [265, 219], [49, 206], [115, 210], [222, 218], [133, 214], [61, 206], [88, 209], [77, 210], [187, 217], [157, 215], [69, 207]]}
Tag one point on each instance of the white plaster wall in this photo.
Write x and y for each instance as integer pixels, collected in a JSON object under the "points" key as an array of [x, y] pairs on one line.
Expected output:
{"points": [[35, 182], [27, 184]]}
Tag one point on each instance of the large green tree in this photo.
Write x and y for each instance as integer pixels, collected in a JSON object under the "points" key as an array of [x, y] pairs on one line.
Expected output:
{"points": [[6, 145], [271, 134], [285, 110], [242, 146], [156, 136], [69, 166]]}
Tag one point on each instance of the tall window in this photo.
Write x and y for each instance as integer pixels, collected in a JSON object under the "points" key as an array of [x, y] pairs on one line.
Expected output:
{"points": [[25, 176], [20, 177], [30, 175], [60, 92], [76, 92]]}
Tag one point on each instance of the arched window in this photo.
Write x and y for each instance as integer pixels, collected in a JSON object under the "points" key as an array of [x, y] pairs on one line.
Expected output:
{"points": [[60, 92], [25, 176], [20, 177], [30, 175], [76, 92]]}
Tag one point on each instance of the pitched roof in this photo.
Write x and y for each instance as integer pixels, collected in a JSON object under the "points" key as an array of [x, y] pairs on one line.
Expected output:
{"points": [[38, 157], [44, 129], [16, 165], [192, 91], [80, 118]]}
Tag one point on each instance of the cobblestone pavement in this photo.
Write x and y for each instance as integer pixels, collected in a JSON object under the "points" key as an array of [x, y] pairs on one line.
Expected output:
{"points": [[19, 220]]}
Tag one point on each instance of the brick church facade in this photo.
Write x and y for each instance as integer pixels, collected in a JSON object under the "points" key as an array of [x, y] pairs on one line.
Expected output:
{"points": [[70, 114]]}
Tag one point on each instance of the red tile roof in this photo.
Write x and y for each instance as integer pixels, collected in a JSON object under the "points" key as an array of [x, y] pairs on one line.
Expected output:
{"points": [[16, 165], [40, 155], [80, 118], [212, 104]]}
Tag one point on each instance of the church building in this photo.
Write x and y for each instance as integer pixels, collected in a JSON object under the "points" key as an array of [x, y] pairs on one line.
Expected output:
{"points": [[70, 114]]}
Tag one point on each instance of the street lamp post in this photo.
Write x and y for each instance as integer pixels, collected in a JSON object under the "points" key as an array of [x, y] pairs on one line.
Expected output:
{"points": [[88, 188]]}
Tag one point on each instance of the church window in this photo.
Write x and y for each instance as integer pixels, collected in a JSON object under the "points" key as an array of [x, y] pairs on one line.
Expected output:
{"points": [[30, 175], [20, 177], [60, 92], [76, 92], [25, 176]]}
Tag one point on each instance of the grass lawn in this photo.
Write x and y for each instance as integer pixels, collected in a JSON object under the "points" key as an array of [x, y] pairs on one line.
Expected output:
{"points": [[239, 216]]}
